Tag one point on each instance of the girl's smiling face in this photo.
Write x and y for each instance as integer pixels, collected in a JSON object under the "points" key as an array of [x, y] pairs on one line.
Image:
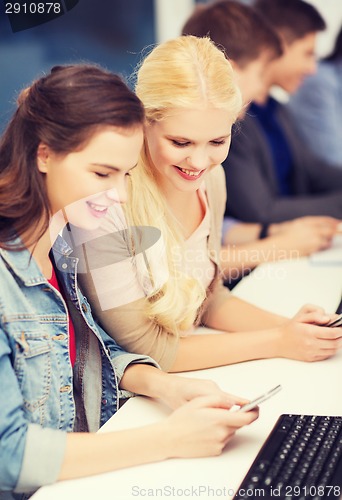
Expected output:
{"points": [[85, 183], [184, 146]]}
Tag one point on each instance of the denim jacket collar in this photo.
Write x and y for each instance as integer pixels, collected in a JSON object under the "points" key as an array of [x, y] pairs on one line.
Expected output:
{"points": [[24, 266]]}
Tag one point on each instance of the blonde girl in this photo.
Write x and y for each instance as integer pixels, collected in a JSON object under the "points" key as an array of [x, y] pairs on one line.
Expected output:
{"points": [[191, 101]]}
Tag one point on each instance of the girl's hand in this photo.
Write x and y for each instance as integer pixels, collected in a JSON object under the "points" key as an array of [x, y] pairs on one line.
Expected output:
{"points": [[305, 235], [180, 390], [305, 337], [203, 426], [310, 313]]}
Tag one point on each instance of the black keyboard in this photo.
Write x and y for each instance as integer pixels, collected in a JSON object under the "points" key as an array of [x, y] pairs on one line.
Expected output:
{"points": [[301, 459]]}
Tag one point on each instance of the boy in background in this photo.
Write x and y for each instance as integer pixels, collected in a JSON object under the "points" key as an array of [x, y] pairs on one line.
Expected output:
{"points": [[272, 175], [252, 45]]}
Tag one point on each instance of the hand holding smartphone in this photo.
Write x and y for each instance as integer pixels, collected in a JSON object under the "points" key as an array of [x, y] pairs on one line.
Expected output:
{"points": [[255, 402]]}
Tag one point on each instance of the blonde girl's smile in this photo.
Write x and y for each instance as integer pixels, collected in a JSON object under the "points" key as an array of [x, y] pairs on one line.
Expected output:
{"points": [[187, 143], [190, 175]]}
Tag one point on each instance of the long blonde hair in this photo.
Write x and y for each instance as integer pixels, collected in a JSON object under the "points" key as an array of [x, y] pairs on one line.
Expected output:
{"points": [[186, 72]]}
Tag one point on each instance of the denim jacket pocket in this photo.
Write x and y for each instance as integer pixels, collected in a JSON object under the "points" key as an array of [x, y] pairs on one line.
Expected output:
{"points": [[32, 365]]}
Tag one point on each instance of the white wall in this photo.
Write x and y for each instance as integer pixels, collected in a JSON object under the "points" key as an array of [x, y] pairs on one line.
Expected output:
{"points": [[170, 16], [331, 10]]}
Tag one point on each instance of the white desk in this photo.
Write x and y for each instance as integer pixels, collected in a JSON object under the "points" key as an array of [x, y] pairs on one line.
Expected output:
{"points": [[307, 388]]}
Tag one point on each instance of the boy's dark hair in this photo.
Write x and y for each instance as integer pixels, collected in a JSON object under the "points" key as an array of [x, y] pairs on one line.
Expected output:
{"points": [[239, 29], [292, 19], [336, 54]]}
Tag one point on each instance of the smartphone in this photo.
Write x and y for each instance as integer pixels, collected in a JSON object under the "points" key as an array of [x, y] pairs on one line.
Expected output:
{"points": [[336, 322], [252, 404]]}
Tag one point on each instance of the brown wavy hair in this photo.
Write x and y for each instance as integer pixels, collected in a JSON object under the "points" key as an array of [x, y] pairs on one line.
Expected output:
{"points": [[62, 110]]}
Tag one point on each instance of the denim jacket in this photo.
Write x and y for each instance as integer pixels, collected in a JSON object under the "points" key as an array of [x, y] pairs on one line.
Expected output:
{"points": [[42, 397]]}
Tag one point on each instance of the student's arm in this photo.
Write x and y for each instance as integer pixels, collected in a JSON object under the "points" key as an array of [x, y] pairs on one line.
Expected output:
{"points": [[26, 460], [173, 390], [139, 374], [240, 233], [33, 456], [265, 336], [200, 428], [287, 240], [254, 334]]}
